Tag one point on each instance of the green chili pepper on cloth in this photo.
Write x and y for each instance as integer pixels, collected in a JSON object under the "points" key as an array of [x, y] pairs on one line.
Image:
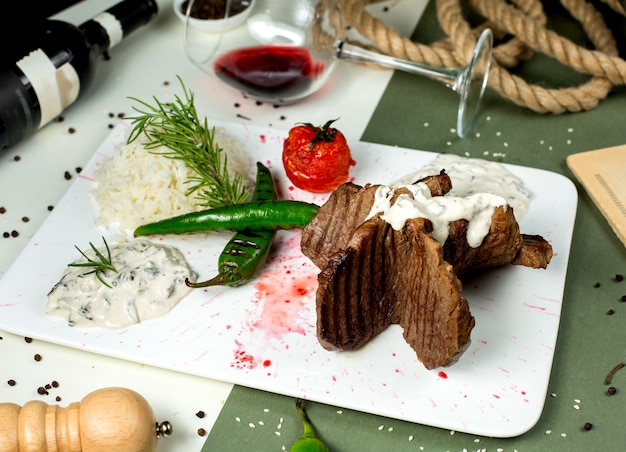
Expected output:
{"points": [[247, 251], [308, 442]]}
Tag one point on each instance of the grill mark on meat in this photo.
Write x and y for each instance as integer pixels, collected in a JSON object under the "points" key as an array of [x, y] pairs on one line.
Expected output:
{"points": [[353, 304]]}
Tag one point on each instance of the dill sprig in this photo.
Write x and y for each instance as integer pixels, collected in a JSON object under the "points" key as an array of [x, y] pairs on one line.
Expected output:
{"points": [[177, 127], [98, 266]]}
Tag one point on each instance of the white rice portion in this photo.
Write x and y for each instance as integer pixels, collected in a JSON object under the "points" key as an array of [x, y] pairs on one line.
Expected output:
{"points": [[138, 186]]}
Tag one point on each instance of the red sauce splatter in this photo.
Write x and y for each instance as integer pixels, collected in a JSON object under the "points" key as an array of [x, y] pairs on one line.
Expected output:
{"points": [[282, 297], [243, 360], [442, 374], [282, 308], [263, 138]]}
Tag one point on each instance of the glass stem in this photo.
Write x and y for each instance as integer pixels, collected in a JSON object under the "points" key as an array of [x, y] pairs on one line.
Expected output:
{"points": [[449, 77]]}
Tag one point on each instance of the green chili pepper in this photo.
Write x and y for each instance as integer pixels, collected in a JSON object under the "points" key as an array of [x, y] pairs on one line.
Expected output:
{"points": [[255, 216], [247, 251], [308, 442]]}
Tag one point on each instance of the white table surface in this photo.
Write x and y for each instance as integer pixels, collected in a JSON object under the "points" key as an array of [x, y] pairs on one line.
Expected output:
{"points": [[32, 178]]}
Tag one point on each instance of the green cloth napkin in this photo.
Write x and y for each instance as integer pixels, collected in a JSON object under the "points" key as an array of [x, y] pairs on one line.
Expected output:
{"points": [[419, 114]]}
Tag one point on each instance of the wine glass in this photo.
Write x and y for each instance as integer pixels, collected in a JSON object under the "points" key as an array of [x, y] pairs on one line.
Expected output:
{"points": [[283, 53], [468, 82], [287, 50]]}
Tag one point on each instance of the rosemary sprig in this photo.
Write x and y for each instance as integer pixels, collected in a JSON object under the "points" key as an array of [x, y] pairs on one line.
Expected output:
{"points": [[99, 266], [177, 126]]}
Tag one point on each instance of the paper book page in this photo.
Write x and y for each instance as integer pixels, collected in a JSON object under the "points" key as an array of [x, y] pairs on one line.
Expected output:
{"points": [[602, 173]]}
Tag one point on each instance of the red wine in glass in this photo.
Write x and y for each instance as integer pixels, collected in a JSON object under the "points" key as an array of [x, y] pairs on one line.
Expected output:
{"points": [[271, 72]]}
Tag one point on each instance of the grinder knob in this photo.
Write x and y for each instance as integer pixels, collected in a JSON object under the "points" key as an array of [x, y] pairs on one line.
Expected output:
{"points": [[106, 420]]}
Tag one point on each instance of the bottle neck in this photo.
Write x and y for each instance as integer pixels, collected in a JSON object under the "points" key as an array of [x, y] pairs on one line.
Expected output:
{"points": [[108, 28]]}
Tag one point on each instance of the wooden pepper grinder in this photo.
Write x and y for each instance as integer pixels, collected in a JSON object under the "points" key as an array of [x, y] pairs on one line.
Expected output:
{"points": [[106, 420]]}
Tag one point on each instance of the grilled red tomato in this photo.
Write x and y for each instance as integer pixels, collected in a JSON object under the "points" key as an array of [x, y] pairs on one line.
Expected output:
{"points": [[317, 159]]}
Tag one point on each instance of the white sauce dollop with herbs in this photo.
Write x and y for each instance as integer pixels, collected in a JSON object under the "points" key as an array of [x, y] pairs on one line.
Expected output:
{"points": [[478, 187], [149, 282]]}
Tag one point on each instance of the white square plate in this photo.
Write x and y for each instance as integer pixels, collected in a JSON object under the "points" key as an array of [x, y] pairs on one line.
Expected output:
{"points": [[262, 335]]}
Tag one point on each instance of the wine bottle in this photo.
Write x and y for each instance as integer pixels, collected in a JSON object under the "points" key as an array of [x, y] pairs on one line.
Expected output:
{"points": [[51, 64]]}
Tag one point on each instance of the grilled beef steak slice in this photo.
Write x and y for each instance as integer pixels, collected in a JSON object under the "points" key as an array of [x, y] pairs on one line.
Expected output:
{"points": [[535, 252], [345, 210], [373, 276], [386, 277], [332, 226], [500, 246], [436, 318], [354, 302]]}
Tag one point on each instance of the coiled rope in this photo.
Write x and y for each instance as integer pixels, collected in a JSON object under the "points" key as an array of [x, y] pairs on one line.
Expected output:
{"points": [[525, 21]]}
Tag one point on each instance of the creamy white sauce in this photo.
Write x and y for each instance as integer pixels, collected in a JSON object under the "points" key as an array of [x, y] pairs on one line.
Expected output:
{"points": [[149, 282], [478, 187]]}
